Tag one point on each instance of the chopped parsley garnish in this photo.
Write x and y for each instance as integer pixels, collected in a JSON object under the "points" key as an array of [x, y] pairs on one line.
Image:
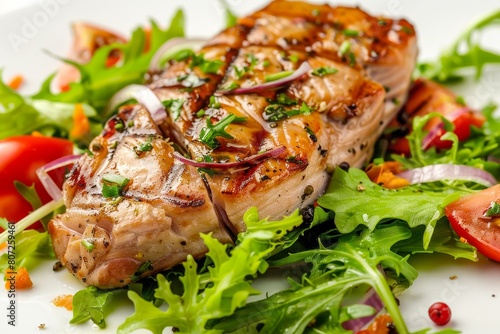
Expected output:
{"points": [[191, 80], [322, 71], [88, 244], [285, 100], [239, 72], [345, 50], [209, 66], [252, 62], [213, 102], [231, 86], [143, 147], [277, 76], [345, 47], [276, 112], [206, 66], [208, 133], [174, 106], [293, 58], [113, 185], [350, 32]]}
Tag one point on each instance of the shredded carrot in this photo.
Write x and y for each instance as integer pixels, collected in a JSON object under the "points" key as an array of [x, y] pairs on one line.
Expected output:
{"points": [[381, 325], [3, 245], [20, 279], [81, 125], [16, 82], [65, 301], [385, 175]]}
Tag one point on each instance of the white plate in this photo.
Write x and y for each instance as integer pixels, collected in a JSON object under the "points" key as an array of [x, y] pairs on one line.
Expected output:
{"points": [[25, 33]]}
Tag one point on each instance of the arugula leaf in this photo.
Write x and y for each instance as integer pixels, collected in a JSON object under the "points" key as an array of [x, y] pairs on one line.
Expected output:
{"points": [[317, 302], [465, 52], [444, 240], [229, 275], [51, 113], [31, 247], [20, 115], [358, 201], [90, 304], [231, 18]]}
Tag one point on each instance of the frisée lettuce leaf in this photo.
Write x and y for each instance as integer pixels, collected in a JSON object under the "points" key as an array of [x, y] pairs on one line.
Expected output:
{"points": [[229, 277], [356, 201]]}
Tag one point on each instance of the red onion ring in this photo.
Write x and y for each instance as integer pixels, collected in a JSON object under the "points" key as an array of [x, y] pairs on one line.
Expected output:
{"points": [[171, 47], [251, 160], [300, 71], [145, 96], [47, 182], [427, 141], [448, 172]]}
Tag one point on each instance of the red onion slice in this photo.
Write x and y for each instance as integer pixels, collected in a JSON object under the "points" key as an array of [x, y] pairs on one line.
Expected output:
{"points": [[251, 160], [429, 138], [299, 72], [448, 172], [372, 299], [145, 96], [171, 47], [47, 182]]}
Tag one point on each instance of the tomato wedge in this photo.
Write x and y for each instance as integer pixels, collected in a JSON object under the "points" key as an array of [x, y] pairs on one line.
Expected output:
{"points": [[425, 97], [21, 157], [467, 218]]}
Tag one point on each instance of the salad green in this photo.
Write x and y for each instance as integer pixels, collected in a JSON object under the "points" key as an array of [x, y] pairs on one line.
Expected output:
{"points": [[359, 237]]}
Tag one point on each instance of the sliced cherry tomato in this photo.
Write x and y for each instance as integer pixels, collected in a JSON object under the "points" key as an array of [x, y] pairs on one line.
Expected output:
{"points": [[87, 38], [426, 97], [21, 157], [467, 218], [381, 325]]}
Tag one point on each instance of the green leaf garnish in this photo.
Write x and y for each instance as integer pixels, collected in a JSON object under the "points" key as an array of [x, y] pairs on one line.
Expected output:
{"points": [[211, 131], [493, 210], [113, 185], [88, 244], [322, 71], [465, 52], [277, 76], [174, 106], [229, 276]]}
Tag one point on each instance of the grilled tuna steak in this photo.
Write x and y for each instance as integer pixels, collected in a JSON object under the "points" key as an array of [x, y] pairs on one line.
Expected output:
{"points": [[272, 149]]}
